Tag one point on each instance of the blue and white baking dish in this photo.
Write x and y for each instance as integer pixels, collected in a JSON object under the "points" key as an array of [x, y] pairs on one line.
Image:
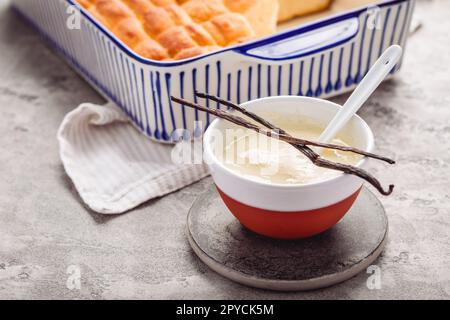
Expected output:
{"points": [[320, 59]]}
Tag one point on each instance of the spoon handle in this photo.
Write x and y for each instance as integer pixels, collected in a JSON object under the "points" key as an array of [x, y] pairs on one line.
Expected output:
{"points": [[371, 81]]}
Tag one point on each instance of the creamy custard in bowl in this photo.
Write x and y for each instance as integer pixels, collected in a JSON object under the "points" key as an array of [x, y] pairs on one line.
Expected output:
{"points": [[261, 158]]}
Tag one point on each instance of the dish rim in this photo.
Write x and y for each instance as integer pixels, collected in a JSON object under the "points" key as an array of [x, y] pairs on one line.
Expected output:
{"points": [[242, 48]]}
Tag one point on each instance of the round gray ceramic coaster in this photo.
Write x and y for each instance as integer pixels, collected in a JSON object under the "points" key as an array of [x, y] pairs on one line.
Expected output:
{"points": [[336, 255]]}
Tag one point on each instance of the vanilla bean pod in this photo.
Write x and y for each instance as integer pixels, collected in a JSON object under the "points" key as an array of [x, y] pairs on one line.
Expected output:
{"points": [[303, 142], [284, 136]]}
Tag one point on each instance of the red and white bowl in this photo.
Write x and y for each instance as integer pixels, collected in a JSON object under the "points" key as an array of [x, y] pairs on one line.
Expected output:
{"points": [[288, 211]]}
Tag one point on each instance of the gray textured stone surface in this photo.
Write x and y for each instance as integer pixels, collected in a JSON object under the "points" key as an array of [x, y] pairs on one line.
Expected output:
{"points": [[145, 254]]}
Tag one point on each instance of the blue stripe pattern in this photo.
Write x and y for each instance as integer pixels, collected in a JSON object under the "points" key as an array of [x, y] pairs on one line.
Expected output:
{"points": [[319, 90], [300, 83], [207, 91], [291, 70], [349, 80], [137, 87], [250, 83], [183, 107], [238, 87], [168, 77], [394, 30], [309, 92], [138, 103], [219, 81], [164, 134], [383, 32], [258, 85], [229, 87], [329, 86], [359, 75], [280, 77], [338, 84], [402, 35], [197, 128], [148, 129], [369, 54]]}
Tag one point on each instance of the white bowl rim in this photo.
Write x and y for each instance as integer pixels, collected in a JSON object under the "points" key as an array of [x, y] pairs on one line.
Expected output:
{"points": [[210, 154]]}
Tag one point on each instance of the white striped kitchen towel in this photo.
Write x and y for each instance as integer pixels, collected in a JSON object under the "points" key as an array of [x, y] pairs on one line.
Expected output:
{"points": [[114, 167]]}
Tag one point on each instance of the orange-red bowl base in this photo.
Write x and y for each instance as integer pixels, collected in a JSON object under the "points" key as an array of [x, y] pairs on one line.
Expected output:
{"points": [[288, 225]]}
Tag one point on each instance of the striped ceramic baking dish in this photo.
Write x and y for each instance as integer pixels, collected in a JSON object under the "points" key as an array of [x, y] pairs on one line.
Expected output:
{"points": [[320, 59]]}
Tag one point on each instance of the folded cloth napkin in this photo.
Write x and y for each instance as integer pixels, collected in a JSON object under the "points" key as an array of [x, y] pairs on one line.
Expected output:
{"points": [[114, 167]]}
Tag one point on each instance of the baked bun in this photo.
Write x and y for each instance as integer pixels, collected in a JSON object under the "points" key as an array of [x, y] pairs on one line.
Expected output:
{"points": [[180, 29]]}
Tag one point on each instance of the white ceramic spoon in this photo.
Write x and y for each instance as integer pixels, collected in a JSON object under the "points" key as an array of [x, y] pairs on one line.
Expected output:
{"points": [[371, 81]]}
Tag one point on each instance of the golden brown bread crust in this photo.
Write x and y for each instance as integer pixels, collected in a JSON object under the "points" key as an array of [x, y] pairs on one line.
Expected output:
{"points": [[204, 10], [261, 14], [229, 28], [172, 29], [179, 29], [85, 3], [295, 8]]}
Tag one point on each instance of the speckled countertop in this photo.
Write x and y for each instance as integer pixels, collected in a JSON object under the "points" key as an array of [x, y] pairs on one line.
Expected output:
{"points": [[44, 228]]}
